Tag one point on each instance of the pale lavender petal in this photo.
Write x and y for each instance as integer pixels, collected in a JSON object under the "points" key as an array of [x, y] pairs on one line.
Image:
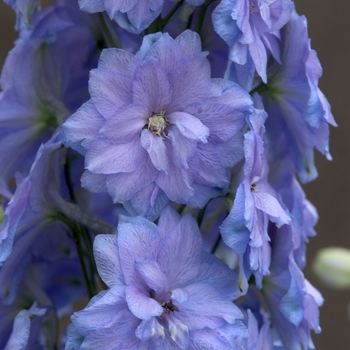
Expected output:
{"points": [[179, 332], [125, 125], [197, 313], [123, 186], [141, 305], [180, 252], [107, 259], [153, 276], [156, 149], [189, 126], [109, 158], [109, 91]]}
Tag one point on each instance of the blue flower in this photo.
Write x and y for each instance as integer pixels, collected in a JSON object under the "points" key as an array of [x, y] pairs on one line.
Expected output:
{"points": [[44, 80], [37, 213], [164, 291], [132, 15], [256, 204], [298, 111], [250, 28], [292, 301], [157, 127]]}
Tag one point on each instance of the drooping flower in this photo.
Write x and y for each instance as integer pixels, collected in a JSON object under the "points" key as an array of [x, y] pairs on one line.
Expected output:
{"points": [[38, 212], [250, 28], [298, 111], [157, 126], [164, 291], [256, 203], [44, 80], [292, 301], [50, 285], [303, 214], [132, 15]]}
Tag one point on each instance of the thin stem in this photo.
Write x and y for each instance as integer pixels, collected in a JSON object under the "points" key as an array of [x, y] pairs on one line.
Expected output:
{"points": [[201, 215], [80, 233], [74, 230], [181, 208], [202, 15], [217, 242], [106, 31], [69, 178], [170, 14]]}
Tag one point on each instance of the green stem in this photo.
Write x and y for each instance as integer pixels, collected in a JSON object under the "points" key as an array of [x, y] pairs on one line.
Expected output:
{"points": [[80, 233], [74, 228], [107, 32], [170, 14], [202, 15], [69, 178], [201, 215], [216, 244]]}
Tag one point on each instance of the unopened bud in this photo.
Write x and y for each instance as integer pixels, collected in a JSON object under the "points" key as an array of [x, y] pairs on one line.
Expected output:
{"points": [[332, 266]]}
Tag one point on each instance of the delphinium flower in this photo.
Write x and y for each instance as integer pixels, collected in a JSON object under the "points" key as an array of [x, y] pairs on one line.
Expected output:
{"points": [[303, 214], [38, 210], [257, 320], [191, 17], [44, 80], [132, 15], [164, 291], [256, 204], [50, 285], [151, 126], [250, 28], [292, 301], [298, 112], [20, 335]]}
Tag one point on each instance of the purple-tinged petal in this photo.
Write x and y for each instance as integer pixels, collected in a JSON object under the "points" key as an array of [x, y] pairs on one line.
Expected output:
{"points": [[168, 220], [83, 125], [134, 241], [181, 249], [148, 328], [180, 295], [102, 157], [92, 7], [198, 314], [109, 91], [95, 183], [156, 148], [178, 331], [107, 259], [132, 119], [174, 184], [189, 126], [151, 87], [124, 186], [141, 305], [153, 276]]}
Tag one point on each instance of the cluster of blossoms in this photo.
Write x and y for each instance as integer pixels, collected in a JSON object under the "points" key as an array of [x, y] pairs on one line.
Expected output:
{"points": [[158, 180]]}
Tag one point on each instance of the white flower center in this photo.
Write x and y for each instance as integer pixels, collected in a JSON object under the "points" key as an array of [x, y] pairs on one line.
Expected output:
{"points": [[157, 123]]}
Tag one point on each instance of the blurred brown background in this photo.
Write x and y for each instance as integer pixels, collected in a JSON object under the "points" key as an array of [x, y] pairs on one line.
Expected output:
{"points": [[329, 30]]}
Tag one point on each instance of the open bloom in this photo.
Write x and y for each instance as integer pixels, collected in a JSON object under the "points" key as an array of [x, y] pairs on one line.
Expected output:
{"points": [[158, 124], [164, 291]]}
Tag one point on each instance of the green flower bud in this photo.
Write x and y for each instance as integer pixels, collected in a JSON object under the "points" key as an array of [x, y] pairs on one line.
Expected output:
{"points": [[332, 266]]}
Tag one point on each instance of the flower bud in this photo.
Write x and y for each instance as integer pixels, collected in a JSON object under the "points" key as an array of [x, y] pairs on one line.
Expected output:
{"points": [[332, 266]]}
